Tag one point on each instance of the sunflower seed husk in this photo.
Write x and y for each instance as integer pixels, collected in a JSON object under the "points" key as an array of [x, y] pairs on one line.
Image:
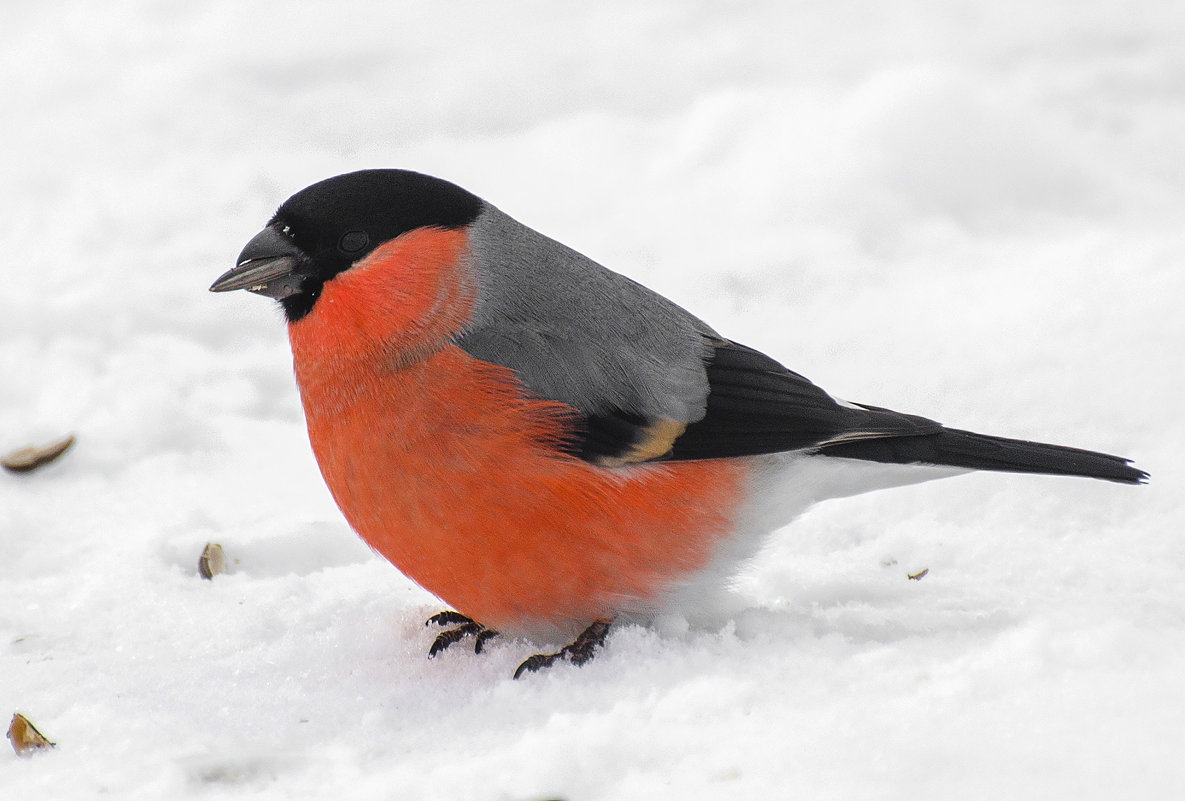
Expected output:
{"points": [[212, 561], [26, 740], [25, 459]]}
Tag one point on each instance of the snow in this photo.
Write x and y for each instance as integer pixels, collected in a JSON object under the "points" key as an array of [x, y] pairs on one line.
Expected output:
{"points": [[970, 211]]}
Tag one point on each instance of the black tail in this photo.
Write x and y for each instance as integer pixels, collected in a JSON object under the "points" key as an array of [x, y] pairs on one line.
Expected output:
{"points": [[956, 448]]}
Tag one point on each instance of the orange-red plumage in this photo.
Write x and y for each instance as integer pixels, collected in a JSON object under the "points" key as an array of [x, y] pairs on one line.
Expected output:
{"points": [[449, 469]]}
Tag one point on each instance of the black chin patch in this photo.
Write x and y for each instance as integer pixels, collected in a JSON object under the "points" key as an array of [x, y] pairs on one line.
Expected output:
{"points": [[298, 305]]}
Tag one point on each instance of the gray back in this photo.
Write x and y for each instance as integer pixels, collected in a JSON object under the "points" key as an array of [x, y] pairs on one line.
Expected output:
{"points": [[579, 333]]}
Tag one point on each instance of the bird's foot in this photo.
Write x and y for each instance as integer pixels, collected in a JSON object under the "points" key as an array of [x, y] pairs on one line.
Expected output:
{"points": [[462, 627], [580, 651]]}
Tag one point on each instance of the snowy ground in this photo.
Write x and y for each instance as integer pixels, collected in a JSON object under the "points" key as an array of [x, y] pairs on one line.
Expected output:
{"points": [[968, 210]]}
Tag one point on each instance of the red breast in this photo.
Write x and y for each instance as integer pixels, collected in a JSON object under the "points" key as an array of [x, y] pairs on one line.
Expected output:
{"points": [[450, 470]]}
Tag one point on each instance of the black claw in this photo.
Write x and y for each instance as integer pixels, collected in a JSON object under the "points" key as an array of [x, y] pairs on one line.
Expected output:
{"points": [[463, 627], [448, 618], [587, 643], [447, 638], [536, 662], [480, 640], [582, 649]]}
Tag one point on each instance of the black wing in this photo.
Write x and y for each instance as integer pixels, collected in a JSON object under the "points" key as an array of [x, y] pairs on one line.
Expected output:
{"points": [[754, 406]]}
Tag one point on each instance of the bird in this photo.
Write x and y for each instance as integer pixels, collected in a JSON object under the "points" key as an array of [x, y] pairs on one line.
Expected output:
{"points": [[547, 446]]}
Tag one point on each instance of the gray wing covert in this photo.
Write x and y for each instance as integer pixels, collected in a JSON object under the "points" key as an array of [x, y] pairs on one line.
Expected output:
{"points": [[581, 334]]}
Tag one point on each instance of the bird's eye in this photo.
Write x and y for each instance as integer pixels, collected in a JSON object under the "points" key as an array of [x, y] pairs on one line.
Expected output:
{"points": [[353, 241], [287, 231]]}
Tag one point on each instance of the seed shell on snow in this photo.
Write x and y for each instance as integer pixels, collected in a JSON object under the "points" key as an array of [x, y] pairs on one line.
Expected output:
{"points": [[25, 459], [26, 740], [212, 561]]}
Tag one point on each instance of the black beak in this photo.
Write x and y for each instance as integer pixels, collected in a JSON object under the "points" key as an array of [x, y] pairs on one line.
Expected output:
{"points": [[267, 266]]}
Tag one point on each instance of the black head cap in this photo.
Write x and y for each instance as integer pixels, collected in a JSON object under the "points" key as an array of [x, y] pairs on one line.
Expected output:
{"points": [[340, 220]]}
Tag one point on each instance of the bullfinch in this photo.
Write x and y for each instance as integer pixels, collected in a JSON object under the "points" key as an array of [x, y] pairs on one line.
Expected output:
{"points": [[544, 444]]}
